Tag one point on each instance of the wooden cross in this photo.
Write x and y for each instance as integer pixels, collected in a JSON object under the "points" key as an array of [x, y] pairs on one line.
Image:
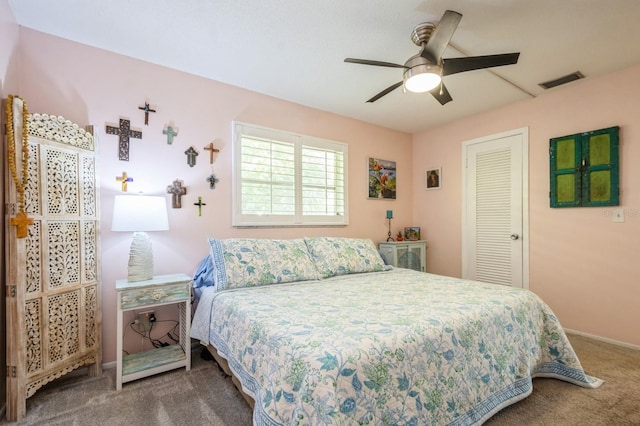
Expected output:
{"points": [[123, 180], [21, 221], [199, 204], [125, 132], [191, 156], [146, 110], [177, 191], [170, 134], [211, 150]]}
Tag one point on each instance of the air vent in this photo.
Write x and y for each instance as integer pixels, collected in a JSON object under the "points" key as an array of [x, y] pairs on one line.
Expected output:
{"points": [[562, 80]]}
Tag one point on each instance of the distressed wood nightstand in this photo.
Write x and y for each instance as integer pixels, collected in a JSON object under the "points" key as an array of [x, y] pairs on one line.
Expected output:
{"points": [[405, 254], [160, 290]]}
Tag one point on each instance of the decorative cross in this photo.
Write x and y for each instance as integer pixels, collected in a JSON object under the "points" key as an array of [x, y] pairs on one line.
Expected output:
{"points": [[21, 221], [123, 180], [199, 204], [170, 134], [212, 179], [146, 110], [211, 150], [125, 132], [191, 156], [177, 191]]}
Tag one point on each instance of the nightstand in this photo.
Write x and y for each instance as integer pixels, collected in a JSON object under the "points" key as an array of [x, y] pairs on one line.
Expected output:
{"points": [[141, 295], [405, 254]]}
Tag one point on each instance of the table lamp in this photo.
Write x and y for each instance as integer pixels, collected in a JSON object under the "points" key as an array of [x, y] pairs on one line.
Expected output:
{"points": [[140, 214]]}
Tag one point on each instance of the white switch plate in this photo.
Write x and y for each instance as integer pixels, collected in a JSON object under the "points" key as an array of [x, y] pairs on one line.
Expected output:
{"points": [[618, 215]]}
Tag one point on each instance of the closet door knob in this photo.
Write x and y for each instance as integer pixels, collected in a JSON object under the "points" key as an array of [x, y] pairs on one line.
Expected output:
{"points": [[515, 236]]}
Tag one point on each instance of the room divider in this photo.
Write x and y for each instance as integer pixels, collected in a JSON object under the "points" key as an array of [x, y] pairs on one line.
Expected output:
{"points": [[52, 252]]}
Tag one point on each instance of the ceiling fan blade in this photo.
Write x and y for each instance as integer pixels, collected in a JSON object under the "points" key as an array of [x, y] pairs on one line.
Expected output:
{"points": [[441, 94], [456, 65], [441, 36], [376, 63], [385, 91]]}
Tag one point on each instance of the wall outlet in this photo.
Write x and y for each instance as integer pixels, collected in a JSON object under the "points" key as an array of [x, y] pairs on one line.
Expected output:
{"points": [[618, 215], [144, 320]]}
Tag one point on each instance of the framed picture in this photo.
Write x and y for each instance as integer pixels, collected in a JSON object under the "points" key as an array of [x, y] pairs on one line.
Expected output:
{"points": [[381, 179], [412, 233], [433, 178]]}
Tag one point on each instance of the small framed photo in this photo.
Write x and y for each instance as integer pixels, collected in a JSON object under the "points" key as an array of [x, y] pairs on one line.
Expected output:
{"points": [[412, 233], [433, 178]]}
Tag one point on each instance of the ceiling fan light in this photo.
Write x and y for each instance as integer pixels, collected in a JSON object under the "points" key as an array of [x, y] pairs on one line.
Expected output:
{"points": [[422, 78]]}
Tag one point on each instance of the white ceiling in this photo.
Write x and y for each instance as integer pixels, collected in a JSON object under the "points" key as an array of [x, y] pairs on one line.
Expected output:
{"points": [[294, 49]]}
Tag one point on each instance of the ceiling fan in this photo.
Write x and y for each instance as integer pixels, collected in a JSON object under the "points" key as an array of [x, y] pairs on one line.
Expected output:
{"points": [[423, 72]]}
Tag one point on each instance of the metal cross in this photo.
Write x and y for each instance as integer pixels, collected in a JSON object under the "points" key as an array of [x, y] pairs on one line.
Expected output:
{"points": [[125, 132], [212, 179], [211, 150], [199, 204], [177, 191], [123, 180], [146, 110], [191, 156], [170, 134]]}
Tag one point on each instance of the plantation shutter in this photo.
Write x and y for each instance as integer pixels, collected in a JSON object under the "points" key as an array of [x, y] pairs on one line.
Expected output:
{"points": [[322, 182], [268, 177], [283, 179]]}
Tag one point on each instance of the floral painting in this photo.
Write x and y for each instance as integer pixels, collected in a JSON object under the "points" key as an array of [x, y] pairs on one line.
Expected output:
{"points": [[382, 179]]}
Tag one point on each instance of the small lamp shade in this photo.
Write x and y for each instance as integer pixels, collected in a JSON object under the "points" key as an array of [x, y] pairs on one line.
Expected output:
{"points": [[389, 214], [139, 214]]}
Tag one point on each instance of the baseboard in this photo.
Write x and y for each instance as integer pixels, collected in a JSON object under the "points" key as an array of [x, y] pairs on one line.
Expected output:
{"points": [[604, 339]]}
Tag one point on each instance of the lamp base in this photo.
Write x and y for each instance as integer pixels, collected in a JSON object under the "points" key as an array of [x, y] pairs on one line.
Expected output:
{"points": [[140, 258]]}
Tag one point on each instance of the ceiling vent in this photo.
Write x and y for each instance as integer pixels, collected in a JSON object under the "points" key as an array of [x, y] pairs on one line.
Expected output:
{"points": [[562, 80]]}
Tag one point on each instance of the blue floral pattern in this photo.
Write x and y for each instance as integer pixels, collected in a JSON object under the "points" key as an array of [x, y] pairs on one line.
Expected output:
{"points": [[246, 262], [397, 347], [341, 256]]}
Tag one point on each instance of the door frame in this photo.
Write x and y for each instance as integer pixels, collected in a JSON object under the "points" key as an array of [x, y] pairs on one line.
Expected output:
{"points": [[524, 133]]}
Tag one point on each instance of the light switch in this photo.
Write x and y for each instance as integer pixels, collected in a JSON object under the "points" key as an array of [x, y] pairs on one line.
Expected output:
{"points": [[618, 215]]}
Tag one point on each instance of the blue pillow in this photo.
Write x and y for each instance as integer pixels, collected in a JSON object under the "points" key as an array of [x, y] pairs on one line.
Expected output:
{"points": [[203, 277]]}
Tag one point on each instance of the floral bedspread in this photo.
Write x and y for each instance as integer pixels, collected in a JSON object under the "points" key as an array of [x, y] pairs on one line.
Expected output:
{"points": [[397, 347]]}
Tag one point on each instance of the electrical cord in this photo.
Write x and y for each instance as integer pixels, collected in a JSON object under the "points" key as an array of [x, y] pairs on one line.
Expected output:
{"points": [[158, 343]]}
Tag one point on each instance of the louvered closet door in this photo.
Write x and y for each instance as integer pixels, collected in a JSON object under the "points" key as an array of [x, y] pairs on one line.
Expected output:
{"points": [[493, 225]]}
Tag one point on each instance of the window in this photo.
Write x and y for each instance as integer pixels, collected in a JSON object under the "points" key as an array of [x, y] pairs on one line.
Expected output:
{"points": [[284, 179], [584, 169]]}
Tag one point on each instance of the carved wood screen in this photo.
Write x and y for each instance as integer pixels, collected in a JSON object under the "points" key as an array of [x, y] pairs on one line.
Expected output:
{"points": [[53, 283]]}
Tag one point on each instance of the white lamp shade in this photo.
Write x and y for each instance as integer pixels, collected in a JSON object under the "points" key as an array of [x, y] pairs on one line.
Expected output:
{"points": [[139, 213]]}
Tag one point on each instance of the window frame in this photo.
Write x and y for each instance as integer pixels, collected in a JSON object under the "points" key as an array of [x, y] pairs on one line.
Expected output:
{"points": [[297, 219]]}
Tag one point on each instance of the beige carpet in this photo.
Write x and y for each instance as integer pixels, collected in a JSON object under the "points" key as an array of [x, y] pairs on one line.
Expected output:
{"points": [[203, 396]]}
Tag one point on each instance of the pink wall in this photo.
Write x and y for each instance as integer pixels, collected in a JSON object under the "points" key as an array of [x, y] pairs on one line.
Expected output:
{"points": [[583, 265], [88, 85]]}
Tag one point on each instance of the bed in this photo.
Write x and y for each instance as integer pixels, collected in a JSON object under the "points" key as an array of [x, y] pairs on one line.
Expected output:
{"points": [[320, 331]]}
